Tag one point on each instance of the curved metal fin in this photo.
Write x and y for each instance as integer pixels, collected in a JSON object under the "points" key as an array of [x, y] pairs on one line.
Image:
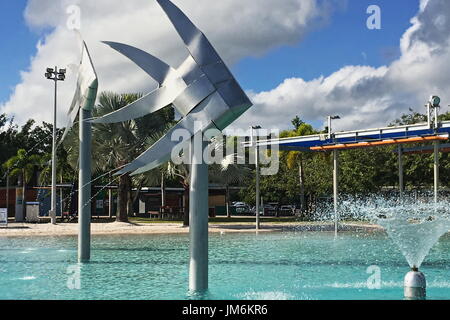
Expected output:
{"points": [[75, 101], [149, 103], [156, 68], [200, 119], [159, 161], [152, 165], [198, 45], [157, 154], [193, 95], [69, 125]]}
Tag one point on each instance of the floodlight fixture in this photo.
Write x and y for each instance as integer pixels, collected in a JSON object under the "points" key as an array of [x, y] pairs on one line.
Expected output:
{"points": [[435, 101], [55, 75], [336, 117]]}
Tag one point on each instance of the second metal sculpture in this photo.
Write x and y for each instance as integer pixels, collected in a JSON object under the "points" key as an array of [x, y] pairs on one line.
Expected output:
{"points": [[205, 93]]}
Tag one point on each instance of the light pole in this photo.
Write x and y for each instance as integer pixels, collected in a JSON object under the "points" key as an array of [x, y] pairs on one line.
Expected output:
{"points": [[55, 75], [335, 174], [434, 104], [255, 145]]}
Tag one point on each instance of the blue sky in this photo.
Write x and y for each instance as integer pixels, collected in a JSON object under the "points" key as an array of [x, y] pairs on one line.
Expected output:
{"points": [[277, 50], [345, 40], [19, 44]]}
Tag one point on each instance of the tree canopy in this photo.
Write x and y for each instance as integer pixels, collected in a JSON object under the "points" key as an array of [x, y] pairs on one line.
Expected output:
{"points": [[303, 176]]}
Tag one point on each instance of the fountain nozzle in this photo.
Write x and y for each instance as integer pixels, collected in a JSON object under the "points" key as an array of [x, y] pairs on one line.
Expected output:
{"points": [[415, 284]]}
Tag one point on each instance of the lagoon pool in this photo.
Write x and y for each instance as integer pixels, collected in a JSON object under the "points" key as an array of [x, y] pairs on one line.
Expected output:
{"points": [[303, 265]]}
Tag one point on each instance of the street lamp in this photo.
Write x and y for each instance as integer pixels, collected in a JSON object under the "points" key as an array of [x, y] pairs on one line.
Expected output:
{"points": [[335, 175], [434, 104], [252, 136], [435, 101], [55, 75], [329, 124], [255, 145]]}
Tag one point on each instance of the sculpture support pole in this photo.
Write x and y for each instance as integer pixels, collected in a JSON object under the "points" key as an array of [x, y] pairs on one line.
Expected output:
{"points": [[198, 217], [84, 189]]}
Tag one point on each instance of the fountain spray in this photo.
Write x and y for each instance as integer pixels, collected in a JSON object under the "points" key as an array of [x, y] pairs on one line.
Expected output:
{"points": [[414, 224], [415, 285]]}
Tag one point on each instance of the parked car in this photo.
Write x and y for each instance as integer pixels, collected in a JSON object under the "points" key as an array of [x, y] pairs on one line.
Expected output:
{"points": [[241, 207], [238, 204], [268, 210], [287, 210]]}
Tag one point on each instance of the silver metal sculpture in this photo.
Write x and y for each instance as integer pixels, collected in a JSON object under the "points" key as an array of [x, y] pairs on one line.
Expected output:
{"points": [[206, 94], [82, 104], [202, 90]]}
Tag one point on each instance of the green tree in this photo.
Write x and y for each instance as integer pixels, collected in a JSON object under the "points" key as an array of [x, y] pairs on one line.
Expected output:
{"points": [[365, 171], [22, 166], [228, 172], [297, 122], [295, 159], [182, 173], [117, 144]]}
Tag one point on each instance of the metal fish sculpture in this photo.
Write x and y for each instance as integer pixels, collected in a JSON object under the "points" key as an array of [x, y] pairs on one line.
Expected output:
{"points": [[202, 90]]}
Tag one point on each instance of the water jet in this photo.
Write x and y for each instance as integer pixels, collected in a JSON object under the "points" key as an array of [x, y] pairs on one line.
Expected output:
{"points": [[414, 225]]}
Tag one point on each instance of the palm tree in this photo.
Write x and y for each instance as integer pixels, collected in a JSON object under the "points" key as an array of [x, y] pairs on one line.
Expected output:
{"points": [[63, 170], [155, 176], [22, 166], [117, 144], [182, 173], [228, 172], [296, 158]]}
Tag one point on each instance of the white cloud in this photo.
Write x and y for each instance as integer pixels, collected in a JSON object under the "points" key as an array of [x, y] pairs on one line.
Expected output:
{"points": [[238, 29], [365, 96]]}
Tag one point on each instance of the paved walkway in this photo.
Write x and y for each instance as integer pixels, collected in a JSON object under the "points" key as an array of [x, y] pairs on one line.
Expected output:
{"points": [[67, 229]]}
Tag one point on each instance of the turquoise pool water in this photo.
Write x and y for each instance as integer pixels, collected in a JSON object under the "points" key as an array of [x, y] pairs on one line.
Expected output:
{"points": [[242, 266]]}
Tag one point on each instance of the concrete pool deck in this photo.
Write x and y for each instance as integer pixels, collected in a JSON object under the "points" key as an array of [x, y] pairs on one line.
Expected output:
{"points": [[121, 228]]}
